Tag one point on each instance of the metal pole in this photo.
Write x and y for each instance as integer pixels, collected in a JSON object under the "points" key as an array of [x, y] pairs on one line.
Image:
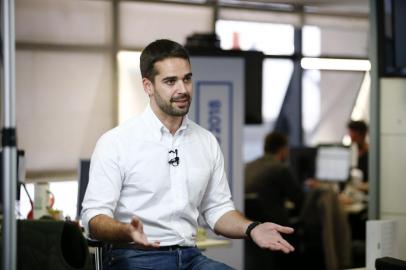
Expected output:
{"points": [[374, 127], [215, 18], [9, 140]]}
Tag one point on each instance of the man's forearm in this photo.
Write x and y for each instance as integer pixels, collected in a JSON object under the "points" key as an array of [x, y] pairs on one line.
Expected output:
{"points": [[105, 228], [232, 225]]}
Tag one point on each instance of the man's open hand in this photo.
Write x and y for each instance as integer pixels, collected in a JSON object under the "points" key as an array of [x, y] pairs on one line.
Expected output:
{"points": [[268, 236]]}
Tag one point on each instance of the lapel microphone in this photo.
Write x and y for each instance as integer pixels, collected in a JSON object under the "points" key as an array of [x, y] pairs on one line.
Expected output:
{"points": [[174, 161]]}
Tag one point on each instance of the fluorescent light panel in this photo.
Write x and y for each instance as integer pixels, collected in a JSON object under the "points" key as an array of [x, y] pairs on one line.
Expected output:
{"points": [[335, 64]]}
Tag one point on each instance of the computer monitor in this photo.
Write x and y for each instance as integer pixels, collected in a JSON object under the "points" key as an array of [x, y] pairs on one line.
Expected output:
{"points": [[391, 38], [333, 163], [83, 173]]}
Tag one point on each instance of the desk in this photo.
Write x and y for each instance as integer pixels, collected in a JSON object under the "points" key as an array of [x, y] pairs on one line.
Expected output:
{"points": [[209, 243], [355, 208]]}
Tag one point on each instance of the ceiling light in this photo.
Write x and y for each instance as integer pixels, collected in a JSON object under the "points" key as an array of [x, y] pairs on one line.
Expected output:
{"points": [[335, 64]]}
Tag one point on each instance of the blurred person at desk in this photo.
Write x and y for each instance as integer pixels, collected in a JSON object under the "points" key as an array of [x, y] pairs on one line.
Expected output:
{"points": [[357, 131], [272, 193], [150, 177], [355, 193], [271, 180]]}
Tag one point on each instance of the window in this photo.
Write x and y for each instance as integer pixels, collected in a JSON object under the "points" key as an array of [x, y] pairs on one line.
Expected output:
{"points": [[64, 192], [276, 78], [270, 38]]}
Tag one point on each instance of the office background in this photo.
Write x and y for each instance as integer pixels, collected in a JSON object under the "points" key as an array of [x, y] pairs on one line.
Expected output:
{"points": [[69, 89]]}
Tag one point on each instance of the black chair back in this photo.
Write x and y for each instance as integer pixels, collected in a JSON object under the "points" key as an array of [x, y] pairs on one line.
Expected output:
{"points": [[83, 173], [389, 263], [50, 244]]}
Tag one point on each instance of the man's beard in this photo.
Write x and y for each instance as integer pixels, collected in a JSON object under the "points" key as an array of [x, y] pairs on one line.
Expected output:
{"points": [[169, 108]]}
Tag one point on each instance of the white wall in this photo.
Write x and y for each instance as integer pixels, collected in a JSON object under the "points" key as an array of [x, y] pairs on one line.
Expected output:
{"points": [[393, 155]]}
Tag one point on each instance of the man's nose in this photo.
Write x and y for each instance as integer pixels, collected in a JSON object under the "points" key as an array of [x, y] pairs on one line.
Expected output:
{"points": [[182, 88]]}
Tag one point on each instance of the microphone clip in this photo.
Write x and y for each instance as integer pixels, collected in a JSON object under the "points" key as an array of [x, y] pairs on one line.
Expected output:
{"points": [[174, 161]]}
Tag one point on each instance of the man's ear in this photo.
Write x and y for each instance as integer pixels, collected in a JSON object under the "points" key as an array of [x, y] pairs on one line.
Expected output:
{"points": [[148, 86]]}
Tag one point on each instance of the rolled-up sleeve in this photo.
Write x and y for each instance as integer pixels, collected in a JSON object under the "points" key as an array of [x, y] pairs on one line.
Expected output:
{"points": [[103, 189], [217, 199]]}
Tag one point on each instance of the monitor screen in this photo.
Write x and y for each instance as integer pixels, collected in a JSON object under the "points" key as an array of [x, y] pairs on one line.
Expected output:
{"points": [[391, 38], [333, 163]]}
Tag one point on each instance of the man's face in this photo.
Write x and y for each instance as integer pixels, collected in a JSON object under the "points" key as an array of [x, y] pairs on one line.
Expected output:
{"points": [[171, 89]]}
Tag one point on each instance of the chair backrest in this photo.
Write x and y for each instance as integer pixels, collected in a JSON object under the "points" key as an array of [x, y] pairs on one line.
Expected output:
{"points": [[324, 231], [253, 207], [83, 173], [389, 263], [50, 244]]}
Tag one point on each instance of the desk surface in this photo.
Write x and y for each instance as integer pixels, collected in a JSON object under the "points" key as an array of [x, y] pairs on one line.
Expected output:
{"points": [[355, 208], [209, 243]]}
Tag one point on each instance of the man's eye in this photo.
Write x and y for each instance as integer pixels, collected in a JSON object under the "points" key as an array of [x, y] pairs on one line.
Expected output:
{"points": [[170, 82], [187, 79]]}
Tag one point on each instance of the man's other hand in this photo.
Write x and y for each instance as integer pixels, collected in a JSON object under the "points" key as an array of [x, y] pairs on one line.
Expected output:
{"points": [[136, 230]]}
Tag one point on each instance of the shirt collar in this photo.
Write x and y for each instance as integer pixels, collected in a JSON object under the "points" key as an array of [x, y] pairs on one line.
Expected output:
{"points": [[156, 125], [185, 123]]}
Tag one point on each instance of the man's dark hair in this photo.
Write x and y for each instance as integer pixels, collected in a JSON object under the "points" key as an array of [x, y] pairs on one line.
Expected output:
{"points": [[275, 141], [358, 126], [157, 51]]}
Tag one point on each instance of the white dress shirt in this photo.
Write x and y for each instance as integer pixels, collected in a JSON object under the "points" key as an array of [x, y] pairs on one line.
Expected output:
{"points": [[130, 175]]}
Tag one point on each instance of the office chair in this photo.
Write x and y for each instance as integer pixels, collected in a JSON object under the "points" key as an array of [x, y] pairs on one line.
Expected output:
{"points": [[324, 232], [389, 263], [83, 173], [51, 244], [98, 249]]}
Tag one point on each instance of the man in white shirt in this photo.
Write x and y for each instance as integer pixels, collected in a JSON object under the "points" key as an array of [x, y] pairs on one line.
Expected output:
{"points": [[152, 176]]}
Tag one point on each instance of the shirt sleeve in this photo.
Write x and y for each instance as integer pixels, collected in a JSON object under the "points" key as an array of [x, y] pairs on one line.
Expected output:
{"points": [[217, 199], [103, 189]]}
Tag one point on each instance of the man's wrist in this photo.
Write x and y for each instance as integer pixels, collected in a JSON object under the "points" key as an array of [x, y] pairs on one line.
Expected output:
{"points": [[250, 228]]}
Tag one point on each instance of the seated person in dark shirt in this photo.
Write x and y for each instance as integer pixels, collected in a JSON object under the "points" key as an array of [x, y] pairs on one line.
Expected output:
{"points": [[272, 180], [358, 132]]}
